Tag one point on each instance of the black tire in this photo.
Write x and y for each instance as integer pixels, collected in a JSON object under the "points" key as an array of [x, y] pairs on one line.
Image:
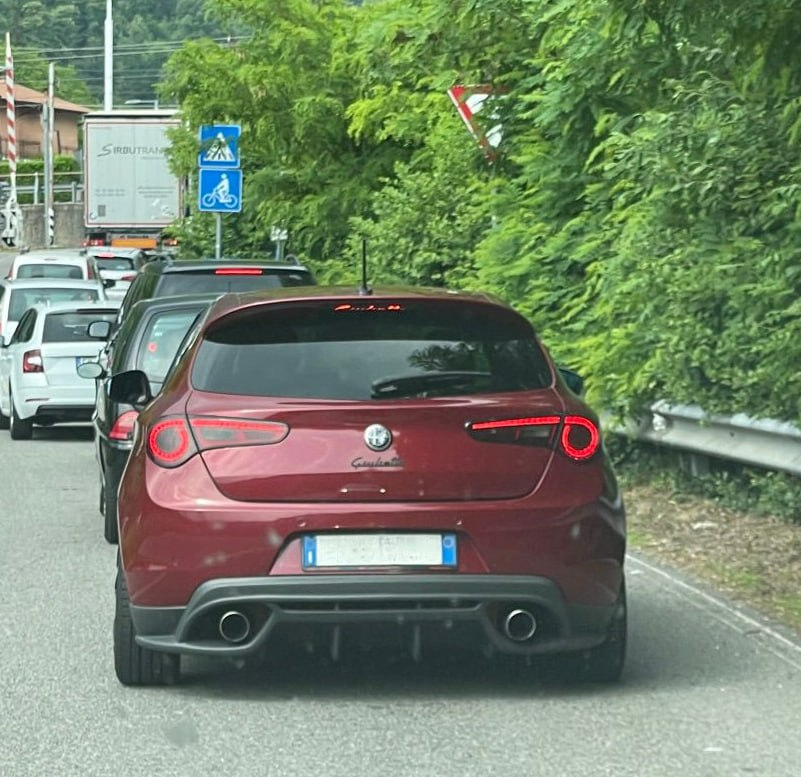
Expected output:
{"points": [[133, 664], [5, 421], [19, 429], [110, 531], [604, 664]]}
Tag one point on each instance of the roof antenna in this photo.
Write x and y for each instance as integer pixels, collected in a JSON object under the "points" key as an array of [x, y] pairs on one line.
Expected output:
{"points": [[364, 289]]}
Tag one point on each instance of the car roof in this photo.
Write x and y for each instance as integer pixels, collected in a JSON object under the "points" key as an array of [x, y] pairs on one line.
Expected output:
{"points": [[227, 303], [75, 306], [50, 283], [44, 256], [169, 265], [173, 301], [116, 251], [52, 252]]}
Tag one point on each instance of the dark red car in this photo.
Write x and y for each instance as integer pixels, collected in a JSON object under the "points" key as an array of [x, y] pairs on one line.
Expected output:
{"points": [[322, 464]]}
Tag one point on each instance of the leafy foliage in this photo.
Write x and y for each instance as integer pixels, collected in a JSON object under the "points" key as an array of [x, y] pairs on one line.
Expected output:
{"points": [[644, 208], [70, 33]]}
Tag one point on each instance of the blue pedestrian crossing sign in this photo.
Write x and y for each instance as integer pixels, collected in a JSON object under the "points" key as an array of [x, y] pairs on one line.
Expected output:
{"points": [[219, 145], [219, 190]]}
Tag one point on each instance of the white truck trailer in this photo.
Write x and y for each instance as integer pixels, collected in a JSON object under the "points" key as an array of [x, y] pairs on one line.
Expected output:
{"points": [[130, 193]]}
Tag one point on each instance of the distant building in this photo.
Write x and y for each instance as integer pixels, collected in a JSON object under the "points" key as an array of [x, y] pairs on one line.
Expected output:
{"points": [[29, 105]]}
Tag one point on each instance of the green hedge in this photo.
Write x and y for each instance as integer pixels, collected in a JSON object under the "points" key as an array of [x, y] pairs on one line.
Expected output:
{"points": [[66, 170]]}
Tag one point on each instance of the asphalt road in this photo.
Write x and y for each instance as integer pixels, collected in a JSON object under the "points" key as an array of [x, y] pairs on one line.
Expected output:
{"points": [[709, 689]]}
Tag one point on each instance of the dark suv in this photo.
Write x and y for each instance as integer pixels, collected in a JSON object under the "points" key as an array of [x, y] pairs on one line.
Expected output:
{"points": [[168, 277]]}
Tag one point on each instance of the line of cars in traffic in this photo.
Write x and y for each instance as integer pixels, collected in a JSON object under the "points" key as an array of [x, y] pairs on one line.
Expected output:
{"points": [[283, 461], [47, 300]]}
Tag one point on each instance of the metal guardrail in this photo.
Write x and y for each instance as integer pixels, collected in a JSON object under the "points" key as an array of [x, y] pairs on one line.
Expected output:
{"points": [[767, 443], [30, 187]]}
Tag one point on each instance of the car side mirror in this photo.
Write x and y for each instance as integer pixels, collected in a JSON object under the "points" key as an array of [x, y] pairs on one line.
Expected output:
{"points": [[573, 380], [91, 370], [130, 388], [109, 283], [99, 330]]}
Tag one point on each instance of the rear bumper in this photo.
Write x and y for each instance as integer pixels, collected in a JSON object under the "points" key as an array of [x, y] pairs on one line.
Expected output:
{"points": [[62, 413], [439, 605], [55, 404]]}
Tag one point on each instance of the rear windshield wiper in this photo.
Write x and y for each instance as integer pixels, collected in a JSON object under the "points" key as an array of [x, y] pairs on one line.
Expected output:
{"points": [[431, 384]]}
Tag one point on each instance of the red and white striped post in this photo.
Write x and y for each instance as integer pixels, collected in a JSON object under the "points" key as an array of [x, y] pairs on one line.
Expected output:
{"points": [[11, 211], [11, 118]]}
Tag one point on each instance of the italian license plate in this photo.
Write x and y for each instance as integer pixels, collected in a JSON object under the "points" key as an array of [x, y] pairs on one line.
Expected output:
{"points": [[379, 550]]}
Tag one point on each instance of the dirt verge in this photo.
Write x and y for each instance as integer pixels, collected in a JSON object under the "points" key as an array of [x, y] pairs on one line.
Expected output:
{"points": [[754, 560]]}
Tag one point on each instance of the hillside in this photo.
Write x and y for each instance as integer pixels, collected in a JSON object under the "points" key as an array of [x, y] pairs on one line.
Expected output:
{"points": [[71, 35]]}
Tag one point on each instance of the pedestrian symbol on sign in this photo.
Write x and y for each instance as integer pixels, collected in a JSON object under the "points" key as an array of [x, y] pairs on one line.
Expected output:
{"points": [[219, 150], [219, 146]]}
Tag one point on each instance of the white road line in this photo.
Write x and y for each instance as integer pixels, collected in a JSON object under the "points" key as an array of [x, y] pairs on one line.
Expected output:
{"points": [[736, 620]]}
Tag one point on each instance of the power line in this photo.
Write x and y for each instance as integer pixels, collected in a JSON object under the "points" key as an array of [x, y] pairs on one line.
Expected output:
{"points": [[177, 42], [125, 49]]}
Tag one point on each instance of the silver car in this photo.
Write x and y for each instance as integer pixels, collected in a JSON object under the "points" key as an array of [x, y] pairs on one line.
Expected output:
{"points": [[39, 380], [16, 296], [117, 264]]}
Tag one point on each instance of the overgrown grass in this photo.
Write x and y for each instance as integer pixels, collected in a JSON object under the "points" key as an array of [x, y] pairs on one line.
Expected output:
{"points": [[731, 485]]}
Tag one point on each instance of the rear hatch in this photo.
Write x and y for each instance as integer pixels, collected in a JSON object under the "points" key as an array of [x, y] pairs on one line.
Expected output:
{"points": [[47, 267], [231, 278], [119, 269], [377, 403], [65, 346]]}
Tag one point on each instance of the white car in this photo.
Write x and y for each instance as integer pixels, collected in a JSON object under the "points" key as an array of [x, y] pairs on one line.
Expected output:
{"points": [[56, 263], [119, 265], [16, 296], [39, 381]]}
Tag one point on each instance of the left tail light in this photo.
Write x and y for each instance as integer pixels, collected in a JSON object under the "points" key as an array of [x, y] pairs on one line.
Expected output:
{"points": [[128, 278], [575, 436], [32, 361], [123, 427], [173, 440]]}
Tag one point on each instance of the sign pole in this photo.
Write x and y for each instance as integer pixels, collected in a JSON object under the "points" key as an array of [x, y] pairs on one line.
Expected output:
{"points": [[218, 236], [219, 175], [108, 58]]}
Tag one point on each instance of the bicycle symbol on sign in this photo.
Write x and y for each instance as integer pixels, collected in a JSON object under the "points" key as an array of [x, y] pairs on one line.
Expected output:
{"points": [[220, 194]]}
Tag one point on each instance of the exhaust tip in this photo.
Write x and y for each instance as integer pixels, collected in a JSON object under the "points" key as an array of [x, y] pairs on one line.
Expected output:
{"points": [[519, 625], [234, 626]]}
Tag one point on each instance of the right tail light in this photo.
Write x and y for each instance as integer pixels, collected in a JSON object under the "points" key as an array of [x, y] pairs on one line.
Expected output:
{"points": [[575, 436]]}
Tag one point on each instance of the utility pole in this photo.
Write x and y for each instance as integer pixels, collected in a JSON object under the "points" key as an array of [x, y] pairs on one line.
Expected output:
{"points": [[108, 60], [48, 120]]}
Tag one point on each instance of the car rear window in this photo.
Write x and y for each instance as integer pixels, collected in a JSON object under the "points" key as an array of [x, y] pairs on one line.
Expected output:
{"points": [[223, 279], [49, 270], [70, 326], [160, 341], [22, 299], [114, 263], [350, 352]]}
